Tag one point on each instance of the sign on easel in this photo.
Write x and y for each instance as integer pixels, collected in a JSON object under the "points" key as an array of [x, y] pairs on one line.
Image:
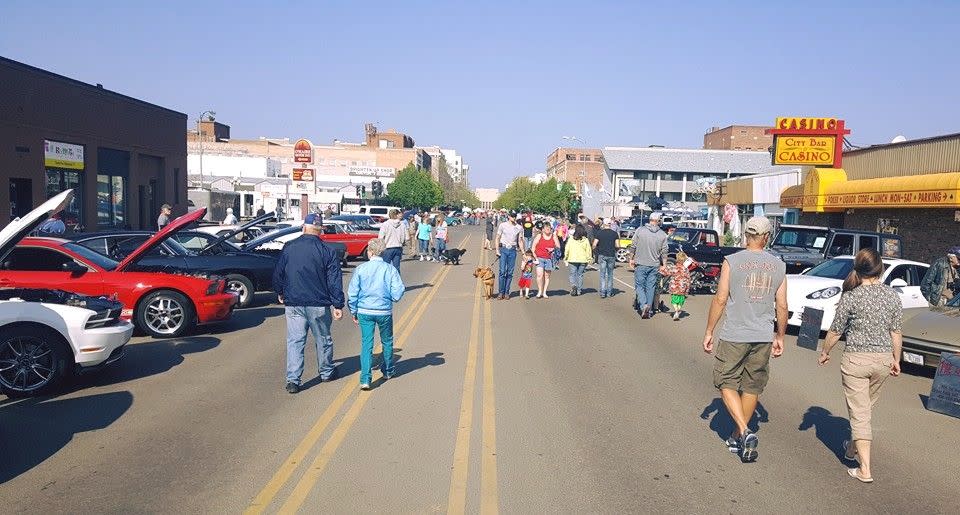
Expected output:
{"points": [[945, 392], [810, 321]]}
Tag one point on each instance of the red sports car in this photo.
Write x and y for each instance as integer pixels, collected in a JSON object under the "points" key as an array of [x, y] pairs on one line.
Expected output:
{"points": [[356, 242], [161, 304]]}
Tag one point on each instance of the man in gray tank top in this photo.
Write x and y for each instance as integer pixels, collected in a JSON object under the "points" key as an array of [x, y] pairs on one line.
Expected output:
{"points": [[753, 293]]}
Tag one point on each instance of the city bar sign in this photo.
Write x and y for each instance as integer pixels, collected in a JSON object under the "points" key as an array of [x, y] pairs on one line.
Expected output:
{"points": [[303, 151], [808, 141], [804, 150], [62, 155]]}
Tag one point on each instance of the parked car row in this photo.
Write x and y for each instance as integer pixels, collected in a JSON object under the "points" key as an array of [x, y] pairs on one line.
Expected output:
{"points": [[71, 304]]}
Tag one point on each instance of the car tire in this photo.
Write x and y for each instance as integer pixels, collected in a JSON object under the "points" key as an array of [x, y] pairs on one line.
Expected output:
{"points": [[164, 314], [243, 287], [25, 348]]}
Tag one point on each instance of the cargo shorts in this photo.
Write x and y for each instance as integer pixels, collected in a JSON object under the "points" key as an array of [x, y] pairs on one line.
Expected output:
{"points": [[743, 367]]}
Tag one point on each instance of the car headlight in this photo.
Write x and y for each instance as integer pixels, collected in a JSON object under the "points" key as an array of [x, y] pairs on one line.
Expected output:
{"points": [[213, 288], [825, 293], [102, 318]]}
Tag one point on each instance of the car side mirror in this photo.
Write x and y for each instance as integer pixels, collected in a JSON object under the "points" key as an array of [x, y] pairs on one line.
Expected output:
{"points": [[898, 283], [74, 268]]}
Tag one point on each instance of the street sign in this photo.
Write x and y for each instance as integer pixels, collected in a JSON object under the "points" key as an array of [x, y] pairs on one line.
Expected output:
{"points": [[303, 151], [945, 392], [810, 321], [303, 174]]}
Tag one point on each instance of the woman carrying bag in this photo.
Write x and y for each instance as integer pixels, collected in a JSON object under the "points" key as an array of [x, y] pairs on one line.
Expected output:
{"points": [[870, 313]]}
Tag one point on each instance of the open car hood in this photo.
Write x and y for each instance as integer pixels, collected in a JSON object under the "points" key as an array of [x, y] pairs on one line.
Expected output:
{"points": [[161, 235], [252, 223], [270, 236], [21, 227]]}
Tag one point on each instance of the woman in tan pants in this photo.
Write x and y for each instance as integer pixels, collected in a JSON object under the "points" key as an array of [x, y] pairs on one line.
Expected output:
{"points": [[870, 313]]}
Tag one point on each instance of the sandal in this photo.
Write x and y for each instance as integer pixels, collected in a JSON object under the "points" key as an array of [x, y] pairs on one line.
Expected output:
{"points": [[855, 473], [848, 446]]}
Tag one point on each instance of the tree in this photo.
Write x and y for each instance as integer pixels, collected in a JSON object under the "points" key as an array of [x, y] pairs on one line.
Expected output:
{"points": [[518, 192], [414, 188], [546, 197], [459, 195]]}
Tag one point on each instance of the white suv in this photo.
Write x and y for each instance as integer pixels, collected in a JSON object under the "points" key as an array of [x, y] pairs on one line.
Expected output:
{"points": [[49, 335]]}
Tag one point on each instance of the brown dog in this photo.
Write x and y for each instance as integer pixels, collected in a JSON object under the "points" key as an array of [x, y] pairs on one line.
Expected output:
{"points": [[486, 275]]}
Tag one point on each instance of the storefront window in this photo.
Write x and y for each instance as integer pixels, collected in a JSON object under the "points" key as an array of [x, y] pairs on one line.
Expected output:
{"points": [[111, 201], [59, 180]]}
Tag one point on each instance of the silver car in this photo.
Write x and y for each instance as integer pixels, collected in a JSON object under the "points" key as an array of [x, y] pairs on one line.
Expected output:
{"points": [[929, 331]]}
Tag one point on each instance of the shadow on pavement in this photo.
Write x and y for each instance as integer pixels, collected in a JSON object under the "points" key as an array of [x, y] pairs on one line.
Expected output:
{"points": [[417, 287], [722, 423], [351, 365], [244, 319], [830, 429], [405, 366], [146, 359], [35, 429]]}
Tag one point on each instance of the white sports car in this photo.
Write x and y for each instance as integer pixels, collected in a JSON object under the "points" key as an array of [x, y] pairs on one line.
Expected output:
{"points": [[819, 287], [48, 335]]}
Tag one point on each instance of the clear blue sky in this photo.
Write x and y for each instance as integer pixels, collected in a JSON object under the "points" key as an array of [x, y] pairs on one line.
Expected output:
{"points": [[503, 81]]}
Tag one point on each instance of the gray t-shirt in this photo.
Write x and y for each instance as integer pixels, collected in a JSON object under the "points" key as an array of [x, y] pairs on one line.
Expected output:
{"points": [[162, 221], [509, 233], [755, 277], [649, 245]]}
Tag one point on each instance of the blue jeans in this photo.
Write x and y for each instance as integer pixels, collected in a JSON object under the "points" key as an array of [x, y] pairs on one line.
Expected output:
{"points": [[368, 324], [392, 255], [317, 320], [508, 261], [441, 246], [645, 282], [424, 246], [528, 242], [576, 275], [606, 274]]}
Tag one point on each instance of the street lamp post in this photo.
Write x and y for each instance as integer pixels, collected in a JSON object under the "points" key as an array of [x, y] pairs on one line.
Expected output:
{"points": [[211, 114]]}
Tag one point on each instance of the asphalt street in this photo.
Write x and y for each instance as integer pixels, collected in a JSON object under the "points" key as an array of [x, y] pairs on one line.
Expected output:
{"points": [[563, 405]]}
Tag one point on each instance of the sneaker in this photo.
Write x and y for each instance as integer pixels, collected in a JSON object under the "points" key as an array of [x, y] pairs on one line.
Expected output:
{"points": [[573, 292], [748, 447], [645, 312], [733, 445], [365, 386], [603, 295], [676, 316], [421, 258], [293, 388], [388, 376]]}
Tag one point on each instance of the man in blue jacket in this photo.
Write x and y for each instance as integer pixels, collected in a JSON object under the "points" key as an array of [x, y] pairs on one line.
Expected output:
{"points": [[309, 282], [373, 289]]}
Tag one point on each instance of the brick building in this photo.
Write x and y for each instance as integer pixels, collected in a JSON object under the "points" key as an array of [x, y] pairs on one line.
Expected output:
{"points": [[576, 166], [124, 157], [738, 137]]}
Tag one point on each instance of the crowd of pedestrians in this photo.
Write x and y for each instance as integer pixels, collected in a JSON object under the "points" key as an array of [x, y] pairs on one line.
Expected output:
{"points": [[751, 300]]}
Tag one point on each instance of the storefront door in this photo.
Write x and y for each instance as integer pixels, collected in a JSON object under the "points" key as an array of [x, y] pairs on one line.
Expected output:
{"points": [[21, 197]]}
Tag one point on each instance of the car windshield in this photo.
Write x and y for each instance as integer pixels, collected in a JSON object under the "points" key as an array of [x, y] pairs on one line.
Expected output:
{"points": [[94, 257], [682, 235], [832, 269], [802, 238]]}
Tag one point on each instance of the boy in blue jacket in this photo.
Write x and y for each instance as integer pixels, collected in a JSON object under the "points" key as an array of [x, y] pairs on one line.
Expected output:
{"points": [[373, 289]]}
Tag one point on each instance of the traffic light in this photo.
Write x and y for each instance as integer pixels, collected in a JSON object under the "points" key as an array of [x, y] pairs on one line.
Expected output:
{"points": [[359, 194], [363, 191], [377, 188]]}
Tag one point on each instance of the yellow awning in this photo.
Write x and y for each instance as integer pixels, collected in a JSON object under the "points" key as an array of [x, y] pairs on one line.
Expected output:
{"points": [[828, 190]]}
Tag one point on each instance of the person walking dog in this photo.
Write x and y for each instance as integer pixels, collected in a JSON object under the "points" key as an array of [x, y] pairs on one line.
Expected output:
{"points": [[870, 313], [508, 240], [309, 282], [374, 288]]}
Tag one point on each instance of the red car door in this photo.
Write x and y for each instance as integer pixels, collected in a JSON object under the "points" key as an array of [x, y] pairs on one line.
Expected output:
{"points": [[43, 267]]}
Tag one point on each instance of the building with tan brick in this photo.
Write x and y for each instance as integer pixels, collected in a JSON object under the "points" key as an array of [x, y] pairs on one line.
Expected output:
{"points": [[577, 166], [738, 137]]}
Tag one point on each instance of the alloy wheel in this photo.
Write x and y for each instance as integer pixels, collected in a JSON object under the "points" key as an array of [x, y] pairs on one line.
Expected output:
{"points": [[164, 315], [26, 363], [238, 288]]}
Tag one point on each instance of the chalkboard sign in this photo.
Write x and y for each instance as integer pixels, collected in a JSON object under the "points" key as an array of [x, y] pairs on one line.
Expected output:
{"points": [[810, 321], [945, 393]]}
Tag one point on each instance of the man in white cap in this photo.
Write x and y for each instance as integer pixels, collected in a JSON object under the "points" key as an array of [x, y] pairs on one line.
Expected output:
{"points": [[753, 292], [649, 254], [229, 219]]}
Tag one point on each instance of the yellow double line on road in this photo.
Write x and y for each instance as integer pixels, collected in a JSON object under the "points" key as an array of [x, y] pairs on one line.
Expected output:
{"points": [[301, 490], [489, 497]]}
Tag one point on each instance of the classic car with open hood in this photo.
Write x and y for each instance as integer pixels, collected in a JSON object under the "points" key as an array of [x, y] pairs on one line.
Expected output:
{"points": [[194, 251], [47, 335], [162, 304]]}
